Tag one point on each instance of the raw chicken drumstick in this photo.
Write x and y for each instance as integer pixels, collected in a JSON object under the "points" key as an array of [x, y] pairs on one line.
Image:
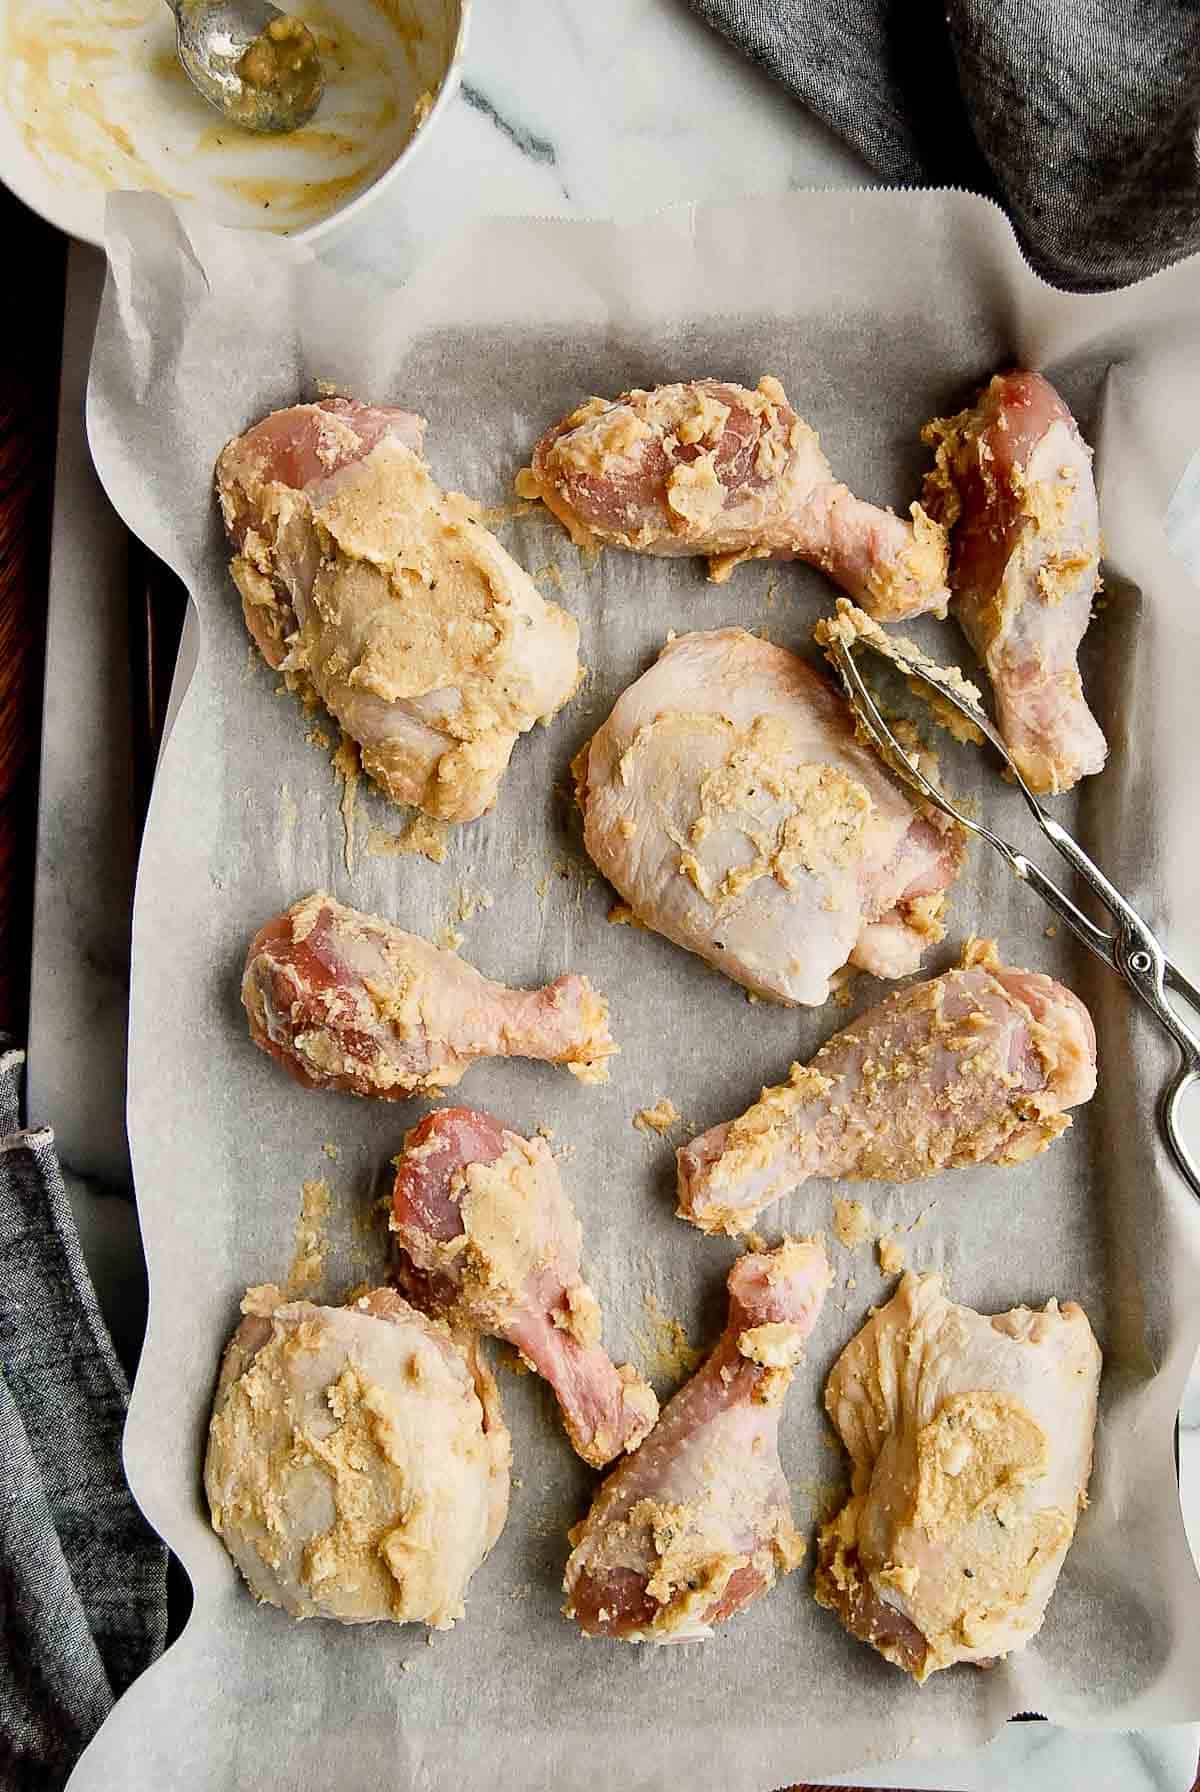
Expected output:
{"points": [[348, 1001], [714, 469], [976, 1066], [970, 1439], [384, 595], [357, 1462], [698, 1523], [1014, 482], [493, 1244], [728, 801]]}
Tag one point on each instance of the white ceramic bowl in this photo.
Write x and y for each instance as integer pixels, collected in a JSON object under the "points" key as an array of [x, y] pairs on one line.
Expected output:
{"points": [[92, 98]]}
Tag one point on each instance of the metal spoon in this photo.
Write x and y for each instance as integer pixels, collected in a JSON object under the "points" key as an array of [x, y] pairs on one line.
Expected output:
{"points": [[258, 66]]}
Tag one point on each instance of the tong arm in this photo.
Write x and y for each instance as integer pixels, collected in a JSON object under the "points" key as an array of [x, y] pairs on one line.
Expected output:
{"points": [[1135, 951]]}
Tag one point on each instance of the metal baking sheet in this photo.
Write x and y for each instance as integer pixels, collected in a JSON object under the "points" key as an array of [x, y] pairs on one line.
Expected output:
{"points": [[876, 310]]}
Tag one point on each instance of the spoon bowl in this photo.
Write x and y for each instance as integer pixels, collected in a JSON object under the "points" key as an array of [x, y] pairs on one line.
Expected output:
{"points": [[256, 65]]}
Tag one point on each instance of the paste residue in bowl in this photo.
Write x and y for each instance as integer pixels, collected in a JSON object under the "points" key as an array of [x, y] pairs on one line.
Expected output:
{"points": [[97, 93], [282, 65]]}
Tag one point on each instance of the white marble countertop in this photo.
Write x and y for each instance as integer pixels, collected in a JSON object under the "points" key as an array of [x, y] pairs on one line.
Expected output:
{"points": [[566, 110]]}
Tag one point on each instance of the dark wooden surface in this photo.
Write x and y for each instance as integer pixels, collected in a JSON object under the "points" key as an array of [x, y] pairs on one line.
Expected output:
{"points": [[30, 353]]}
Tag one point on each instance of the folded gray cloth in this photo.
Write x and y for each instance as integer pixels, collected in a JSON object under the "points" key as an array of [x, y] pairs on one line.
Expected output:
{"points": [[1079, 116], [83, 1600]]}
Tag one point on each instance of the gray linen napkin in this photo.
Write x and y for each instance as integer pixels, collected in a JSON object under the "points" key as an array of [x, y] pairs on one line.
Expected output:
{"points": [[1079, 116], [83, 1602]]}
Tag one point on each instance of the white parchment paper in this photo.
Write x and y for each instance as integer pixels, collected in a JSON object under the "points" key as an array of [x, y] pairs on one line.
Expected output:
{"points": [[876, 311]]}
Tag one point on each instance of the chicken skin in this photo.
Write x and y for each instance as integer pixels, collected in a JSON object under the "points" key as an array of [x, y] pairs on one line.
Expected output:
{"points": [[698, 1523], [976, 1066], [730, 804], [348, 1001], [1013, 481], [386, 597], [358, 1462], [491, 1242], [970, 1439], [714, 469]]}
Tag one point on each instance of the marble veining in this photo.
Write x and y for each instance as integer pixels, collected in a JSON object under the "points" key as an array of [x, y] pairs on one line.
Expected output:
{"points": [[575, 110], [538, 149]]}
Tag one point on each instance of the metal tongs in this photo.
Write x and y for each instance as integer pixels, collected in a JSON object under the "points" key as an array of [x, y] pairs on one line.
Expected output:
{"points": [[1130, 948]]}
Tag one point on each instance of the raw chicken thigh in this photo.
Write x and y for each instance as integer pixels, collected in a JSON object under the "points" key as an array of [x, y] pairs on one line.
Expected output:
{"points": [[970, 1439], [728, 801], [715, 469], [348, 1001], [385, 596], [976, 1066], [493, 1244], [698, 1523], [1014, 482], [357, 1460]]}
